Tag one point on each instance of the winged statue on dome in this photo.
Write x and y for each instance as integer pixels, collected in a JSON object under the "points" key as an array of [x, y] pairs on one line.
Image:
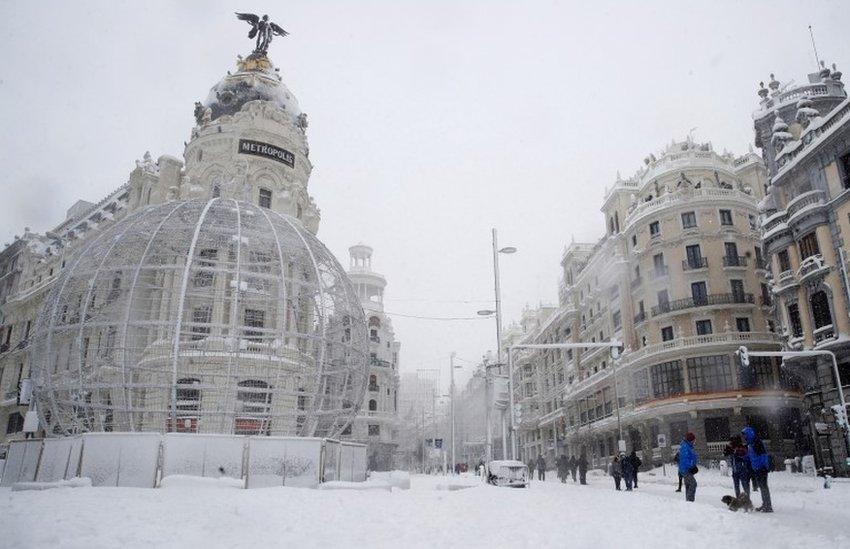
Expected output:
{"points": [[263, 29]]}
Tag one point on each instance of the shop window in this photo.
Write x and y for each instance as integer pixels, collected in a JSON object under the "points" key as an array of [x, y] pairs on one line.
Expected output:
{"points": [[709, 373], [717, 429], [667, 379]]}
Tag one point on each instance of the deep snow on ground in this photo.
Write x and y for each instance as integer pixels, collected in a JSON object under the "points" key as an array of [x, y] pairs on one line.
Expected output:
{"points": [[433, 513]]}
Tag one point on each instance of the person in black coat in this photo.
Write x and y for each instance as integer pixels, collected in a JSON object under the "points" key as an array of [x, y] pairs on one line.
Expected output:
{"points": [[636, 463], [582, 469], [628, 470], [573, 467]]}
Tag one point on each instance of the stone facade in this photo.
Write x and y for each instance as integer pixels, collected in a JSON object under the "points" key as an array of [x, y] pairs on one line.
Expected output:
{"points": [[679, 279], [249, 143], [377, 423], [804, 134]]}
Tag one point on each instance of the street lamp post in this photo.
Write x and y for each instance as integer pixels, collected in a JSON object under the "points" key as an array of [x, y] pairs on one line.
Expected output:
{"points": [[452, 394], [498, 313], [744, 354]]}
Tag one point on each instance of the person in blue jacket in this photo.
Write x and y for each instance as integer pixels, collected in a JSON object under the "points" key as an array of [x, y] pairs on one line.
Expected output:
{"points": [[688, 460], [759, 465]]}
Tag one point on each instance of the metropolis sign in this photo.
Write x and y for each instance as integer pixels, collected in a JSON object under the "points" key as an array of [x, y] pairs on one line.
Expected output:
{"points": [[257, 148]]}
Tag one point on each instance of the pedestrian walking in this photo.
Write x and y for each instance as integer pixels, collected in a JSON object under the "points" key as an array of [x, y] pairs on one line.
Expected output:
{"points": [[636, 463], [582, 469], [736, 454], [628, 470], [531, 468], [573, 467], [688, 460], [541, 468], [616, 471], [563, 468], [760, 465]]}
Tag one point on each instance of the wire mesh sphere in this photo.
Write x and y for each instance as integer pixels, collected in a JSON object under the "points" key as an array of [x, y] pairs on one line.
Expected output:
{"points": [[201, 316]]}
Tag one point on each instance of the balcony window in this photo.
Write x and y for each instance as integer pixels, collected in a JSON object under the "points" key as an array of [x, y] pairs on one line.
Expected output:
{"points": [[726, 217], [794, 320], [374, 430], [709, 373], [759, 374], [742, 324], [663, 301], [820, 309], [784, 261], [667, 333], [689, 220], [373, 405], [809, 245], [667, 379], [737, 287], [699, 293], [654, 229], [694, 260]]}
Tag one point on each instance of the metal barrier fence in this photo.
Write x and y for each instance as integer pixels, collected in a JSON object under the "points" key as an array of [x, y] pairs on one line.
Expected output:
{"points": [[142, 460]]}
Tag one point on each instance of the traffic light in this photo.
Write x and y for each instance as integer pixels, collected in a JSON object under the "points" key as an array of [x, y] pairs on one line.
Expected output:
{"points": [[517, 413], [743, 355], [617, 350]]}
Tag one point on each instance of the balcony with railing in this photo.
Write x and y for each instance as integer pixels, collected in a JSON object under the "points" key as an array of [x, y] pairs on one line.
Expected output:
{"points": [[734, 261], [785, 281], [823, 334], [678, 344], [374, 361], [804, 201], [703, 301], [811, 268], [695, 263]]}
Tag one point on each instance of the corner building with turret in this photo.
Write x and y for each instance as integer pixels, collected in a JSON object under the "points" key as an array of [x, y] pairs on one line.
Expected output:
{"points": [[680, 279]]}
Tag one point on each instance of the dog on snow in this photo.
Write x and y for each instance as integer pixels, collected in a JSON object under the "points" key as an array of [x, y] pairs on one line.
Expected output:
{"points": [[741, 502]]}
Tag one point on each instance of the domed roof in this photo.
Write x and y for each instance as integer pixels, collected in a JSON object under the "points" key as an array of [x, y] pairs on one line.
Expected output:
{"points": [[210, 316], [257, 79]]}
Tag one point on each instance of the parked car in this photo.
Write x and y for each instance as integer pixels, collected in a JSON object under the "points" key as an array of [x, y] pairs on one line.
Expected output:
{"points": [[507, 473]]}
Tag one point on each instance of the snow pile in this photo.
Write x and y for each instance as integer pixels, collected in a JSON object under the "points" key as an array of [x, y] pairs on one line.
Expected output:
{"points": [[189, 481], [361, 486], [547, 514], [75, 482], [396, 479]]}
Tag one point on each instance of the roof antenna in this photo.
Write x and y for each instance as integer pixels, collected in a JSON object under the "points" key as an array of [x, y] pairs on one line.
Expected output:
{"points": [[814, 47]]}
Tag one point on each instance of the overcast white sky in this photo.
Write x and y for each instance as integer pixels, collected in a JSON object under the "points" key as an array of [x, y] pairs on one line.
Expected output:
{"points": [[430, 122]]}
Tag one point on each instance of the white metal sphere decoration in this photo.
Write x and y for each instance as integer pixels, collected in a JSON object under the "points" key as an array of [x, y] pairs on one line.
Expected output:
{"points": [[207, 316]]}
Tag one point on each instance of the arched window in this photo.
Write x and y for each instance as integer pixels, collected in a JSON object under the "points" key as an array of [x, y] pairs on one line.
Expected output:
{"points": [[373, 405], [820, 309], [216, 191], [374, 322], [253, 407]]}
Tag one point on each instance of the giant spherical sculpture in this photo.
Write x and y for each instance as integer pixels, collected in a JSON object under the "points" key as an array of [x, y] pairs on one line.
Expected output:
{"points": [[201, 316]]}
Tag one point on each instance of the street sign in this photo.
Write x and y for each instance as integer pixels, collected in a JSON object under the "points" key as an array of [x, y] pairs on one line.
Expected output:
{"points": [[662, 440], [439, 443], [429, 442]]}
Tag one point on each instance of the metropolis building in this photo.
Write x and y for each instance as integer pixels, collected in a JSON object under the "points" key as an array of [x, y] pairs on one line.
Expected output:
{"points": [[195, 297], [680, 278]]}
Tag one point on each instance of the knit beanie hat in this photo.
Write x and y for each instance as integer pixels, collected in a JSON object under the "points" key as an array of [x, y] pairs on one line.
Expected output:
{"points": [[690, 437]]}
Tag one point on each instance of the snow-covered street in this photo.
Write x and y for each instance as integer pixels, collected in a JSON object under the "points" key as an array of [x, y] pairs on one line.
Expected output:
{"points": [[433, 513]]}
